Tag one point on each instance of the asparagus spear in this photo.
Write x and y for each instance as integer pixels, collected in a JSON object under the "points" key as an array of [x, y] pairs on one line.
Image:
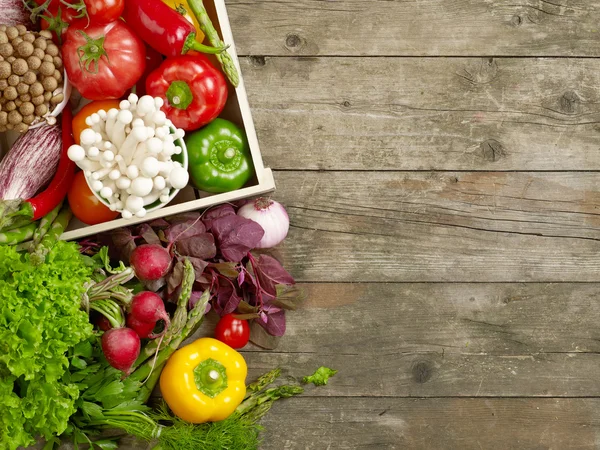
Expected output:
{"points": [[45, 224], [211, 33], [18, 235], [51, 237]]}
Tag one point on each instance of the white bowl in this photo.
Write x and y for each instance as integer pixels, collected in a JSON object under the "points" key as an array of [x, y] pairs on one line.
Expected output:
{"points": [[181, 158]]}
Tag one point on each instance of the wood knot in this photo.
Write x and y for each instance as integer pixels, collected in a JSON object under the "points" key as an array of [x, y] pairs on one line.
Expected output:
{"points": [[422, 372], [569, 101], [258, 61], [492, 150], [516, 20], [480, 72], [346, 104], [292, 41]]}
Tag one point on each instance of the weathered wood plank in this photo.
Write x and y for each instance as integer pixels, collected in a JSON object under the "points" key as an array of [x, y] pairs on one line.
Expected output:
{"points": [[479, 226], [440, 373], [425, 424], [478, 318], [426, 113], [429, 27]]}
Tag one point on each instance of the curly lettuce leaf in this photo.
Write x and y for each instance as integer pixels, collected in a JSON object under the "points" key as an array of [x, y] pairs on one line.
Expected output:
{"points": [[320, 377], [40, 321]]}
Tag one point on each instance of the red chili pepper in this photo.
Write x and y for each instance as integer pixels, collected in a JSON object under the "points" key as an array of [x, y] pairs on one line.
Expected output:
{"points": [[163, 28], [49, 199], [194, 91]]}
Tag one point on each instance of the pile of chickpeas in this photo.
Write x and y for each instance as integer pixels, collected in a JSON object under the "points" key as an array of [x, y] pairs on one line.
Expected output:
{"points": [[31, 77]]}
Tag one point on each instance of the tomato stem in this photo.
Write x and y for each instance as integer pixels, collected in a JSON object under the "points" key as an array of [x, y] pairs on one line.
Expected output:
{"points": [[91, 52]]}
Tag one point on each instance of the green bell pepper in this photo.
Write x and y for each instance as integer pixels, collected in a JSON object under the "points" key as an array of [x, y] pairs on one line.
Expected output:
{"points": [[219, 157]]}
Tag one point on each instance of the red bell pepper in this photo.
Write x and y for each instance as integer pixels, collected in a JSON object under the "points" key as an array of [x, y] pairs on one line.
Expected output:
{"points": [[194, 91], [163, 28]]}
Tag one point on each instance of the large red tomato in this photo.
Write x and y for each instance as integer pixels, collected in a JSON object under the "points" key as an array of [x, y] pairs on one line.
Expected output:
{"points": [[103, 61], [104, 11]]}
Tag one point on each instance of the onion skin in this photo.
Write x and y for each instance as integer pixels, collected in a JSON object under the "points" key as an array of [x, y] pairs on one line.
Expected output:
{"points": [[271, 216]]}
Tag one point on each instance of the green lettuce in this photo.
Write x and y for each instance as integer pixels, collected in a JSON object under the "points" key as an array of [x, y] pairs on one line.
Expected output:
{"points": [[40, 322]]}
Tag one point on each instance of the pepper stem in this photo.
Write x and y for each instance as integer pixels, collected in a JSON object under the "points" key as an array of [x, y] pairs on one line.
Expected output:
{"points": [[192, 44], [210, 377], [179, 94]]}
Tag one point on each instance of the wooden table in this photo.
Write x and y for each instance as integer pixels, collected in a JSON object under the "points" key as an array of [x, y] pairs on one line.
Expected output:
{"points": [[438, 160]]}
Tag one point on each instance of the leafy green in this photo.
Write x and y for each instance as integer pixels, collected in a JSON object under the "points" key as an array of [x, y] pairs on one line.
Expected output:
{"points": [[40, 323], [320, 377]]}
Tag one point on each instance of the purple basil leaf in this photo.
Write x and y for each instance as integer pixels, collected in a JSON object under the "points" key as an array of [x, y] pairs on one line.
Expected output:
{"points": [[124, 240], [175, 278], [199, 246], [148, 234], [227, 269], [199, 266], [215, 213], [159, 223], [227, 298], [260, 337], [190, 216], [155, 285], [184, 230], [275, 325], [270, 273], [236, 236]]}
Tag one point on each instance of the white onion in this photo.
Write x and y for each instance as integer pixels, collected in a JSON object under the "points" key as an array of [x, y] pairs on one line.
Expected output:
{"points": [[271, 216]]}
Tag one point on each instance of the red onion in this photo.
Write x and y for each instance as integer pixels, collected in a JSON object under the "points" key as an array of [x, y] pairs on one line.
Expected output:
{"points": [[12, 12], [271, 216]]}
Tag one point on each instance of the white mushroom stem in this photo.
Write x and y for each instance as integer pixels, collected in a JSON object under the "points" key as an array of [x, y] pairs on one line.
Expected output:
{"points": [[118, 135], [102, 173], [111, 118], [127, 150], [140, 153], [152, 197], [89, 165]]}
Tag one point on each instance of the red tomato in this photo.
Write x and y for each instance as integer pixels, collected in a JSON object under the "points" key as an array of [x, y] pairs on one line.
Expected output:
{"points": [[57, 18], [104, 11], [85, 205], [103, 61], [233, 332]]}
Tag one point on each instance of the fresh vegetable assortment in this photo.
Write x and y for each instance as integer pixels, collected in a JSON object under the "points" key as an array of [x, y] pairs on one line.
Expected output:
{"points": [[89, 329]]}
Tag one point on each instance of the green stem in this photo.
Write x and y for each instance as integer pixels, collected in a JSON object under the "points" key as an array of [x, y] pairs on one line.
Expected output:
{"points": [[110, 283], [18, 235], [262, 382], [211, 33], [25, 246], [109, 309], [192, 44]]}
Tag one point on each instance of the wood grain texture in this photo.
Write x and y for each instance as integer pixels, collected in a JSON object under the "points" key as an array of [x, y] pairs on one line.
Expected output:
{"points": [[425, 424], [375, 226], [426, 113], [426, 27]]}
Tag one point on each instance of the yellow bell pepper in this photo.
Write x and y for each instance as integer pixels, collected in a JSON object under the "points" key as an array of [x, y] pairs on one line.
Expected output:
{"points": [[204, 381], [182, 7]]}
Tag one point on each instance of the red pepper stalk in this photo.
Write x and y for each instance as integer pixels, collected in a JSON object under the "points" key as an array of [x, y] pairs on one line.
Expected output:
{"points": [[163, 28], [15, 213]]}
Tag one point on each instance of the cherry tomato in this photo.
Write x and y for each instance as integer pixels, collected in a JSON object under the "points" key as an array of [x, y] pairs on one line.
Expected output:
{"points": [[85, 205], [104, 11], [103, 61], [79, 120], [233, 332]]}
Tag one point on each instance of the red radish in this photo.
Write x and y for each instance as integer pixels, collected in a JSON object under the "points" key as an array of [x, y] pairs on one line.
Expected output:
{"points": [[143, 329], [103, 323], [150, 262], [145, 310], [121, 347]]}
